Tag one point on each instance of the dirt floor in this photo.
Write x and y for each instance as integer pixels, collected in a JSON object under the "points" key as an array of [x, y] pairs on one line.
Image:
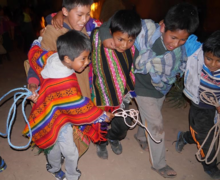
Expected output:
{"points": [[132, 164]]}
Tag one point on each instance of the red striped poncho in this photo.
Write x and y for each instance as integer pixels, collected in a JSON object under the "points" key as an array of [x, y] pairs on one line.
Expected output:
{"points": [[60, 102]]}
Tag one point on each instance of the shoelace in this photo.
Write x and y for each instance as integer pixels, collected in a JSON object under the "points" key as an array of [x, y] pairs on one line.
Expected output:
{"points": [[12, 112], [211, 99], [134, 115]]}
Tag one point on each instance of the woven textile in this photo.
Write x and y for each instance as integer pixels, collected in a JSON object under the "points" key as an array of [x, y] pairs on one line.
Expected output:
{"points": [[113, 74], [60, 102]]}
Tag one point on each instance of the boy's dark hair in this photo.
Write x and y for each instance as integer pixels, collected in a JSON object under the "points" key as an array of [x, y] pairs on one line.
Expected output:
{"points": [[212, 44], [72, 44], [126, 21], [70, 4], [182, 16]]}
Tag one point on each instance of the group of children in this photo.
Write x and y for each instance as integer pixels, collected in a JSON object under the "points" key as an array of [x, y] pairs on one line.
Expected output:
{"points": [[131, 58]]}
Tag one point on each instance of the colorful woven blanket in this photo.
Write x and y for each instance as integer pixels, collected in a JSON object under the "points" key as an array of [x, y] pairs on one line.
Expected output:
{"points": [[113, 74], [60, 102]]}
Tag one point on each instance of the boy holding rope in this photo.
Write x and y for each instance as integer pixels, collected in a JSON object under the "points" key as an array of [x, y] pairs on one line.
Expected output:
{"points": [[162, 57], [113, 77], [202, 74], [60, 103]]}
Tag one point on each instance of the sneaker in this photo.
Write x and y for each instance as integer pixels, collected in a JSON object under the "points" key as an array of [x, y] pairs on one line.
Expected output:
{"points": [[215, 173], [3, 165], [60, 175], [102, 151], [116, 146], [181, 142]]}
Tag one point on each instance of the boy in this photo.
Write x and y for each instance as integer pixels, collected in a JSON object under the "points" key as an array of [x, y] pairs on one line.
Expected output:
{"points": [[113, 78], [202, 74], [162, 56], [76, 16], [61, 104]]}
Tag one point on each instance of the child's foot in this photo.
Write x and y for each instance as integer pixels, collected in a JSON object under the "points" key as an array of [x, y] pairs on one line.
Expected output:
{"points": [[143, 144], [3, 165], [116, 146], [180, 143], [166, 172], [215, 173], [60, 175], [102, 151]]}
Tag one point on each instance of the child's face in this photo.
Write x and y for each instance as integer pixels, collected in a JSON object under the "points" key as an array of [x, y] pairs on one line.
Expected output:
{"points": [[122, 41], [173, 39], [80, 62], [77, 17], [211, 61]]}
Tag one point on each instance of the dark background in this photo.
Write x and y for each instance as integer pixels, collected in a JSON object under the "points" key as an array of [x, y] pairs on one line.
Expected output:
{"points": [[209, 13]]}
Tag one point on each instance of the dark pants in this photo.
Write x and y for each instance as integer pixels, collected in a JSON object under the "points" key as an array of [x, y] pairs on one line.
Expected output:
{"points": [[201, 121], [118, 129]]}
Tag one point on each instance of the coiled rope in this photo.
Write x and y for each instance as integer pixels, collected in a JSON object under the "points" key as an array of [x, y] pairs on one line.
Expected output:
{"points": [[18, 95], [211, 99], [134, 115], [12, 113]]}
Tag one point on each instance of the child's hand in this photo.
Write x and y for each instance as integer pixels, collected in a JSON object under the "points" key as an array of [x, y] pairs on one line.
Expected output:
{"points": [[109, 43], [57, 20], [218, 109], [33, 87], [110, 117], [161, 22]]}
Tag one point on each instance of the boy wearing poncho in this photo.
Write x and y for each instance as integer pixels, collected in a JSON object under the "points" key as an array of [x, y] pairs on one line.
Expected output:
{"points": [[60, 103]]}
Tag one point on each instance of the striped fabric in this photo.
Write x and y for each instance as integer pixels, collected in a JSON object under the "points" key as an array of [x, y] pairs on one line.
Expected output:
{"points": [[162, 68], [210, 81], [60, 102], [113, 74]]}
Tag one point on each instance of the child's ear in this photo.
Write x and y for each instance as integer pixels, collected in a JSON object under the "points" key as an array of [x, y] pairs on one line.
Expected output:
{"points": [[162, 27], [67, 60], [65, 11]]}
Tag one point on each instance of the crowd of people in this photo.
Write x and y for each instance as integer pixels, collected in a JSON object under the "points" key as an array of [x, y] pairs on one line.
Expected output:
{"points": [[131, 58]]}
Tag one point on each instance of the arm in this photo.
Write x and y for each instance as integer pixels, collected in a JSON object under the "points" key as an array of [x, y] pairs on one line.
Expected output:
{"points": [[106, 36], [32, 78], [56, 19], [33, 83], [192, 45]]}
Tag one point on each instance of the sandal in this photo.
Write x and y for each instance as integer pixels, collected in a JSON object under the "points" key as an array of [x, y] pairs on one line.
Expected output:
{"points": [[164, 172], [143, 144]]}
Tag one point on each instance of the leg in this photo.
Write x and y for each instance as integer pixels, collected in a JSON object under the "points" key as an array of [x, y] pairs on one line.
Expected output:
{"points": [[54, 159], [201, 121], [150, 111], [70, 152], [141, 138], [118, 131], [184, 137]]}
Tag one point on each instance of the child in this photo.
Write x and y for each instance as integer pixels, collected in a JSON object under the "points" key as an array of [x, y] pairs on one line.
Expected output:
{"points": [[76, 16], [113, 78], [202, 74], [161, 57], [61, 104]]}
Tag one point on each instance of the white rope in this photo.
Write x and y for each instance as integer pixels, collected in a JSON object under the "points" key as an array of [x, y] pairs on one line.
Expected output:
{"points": [[134, 115], [211, 99]]}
